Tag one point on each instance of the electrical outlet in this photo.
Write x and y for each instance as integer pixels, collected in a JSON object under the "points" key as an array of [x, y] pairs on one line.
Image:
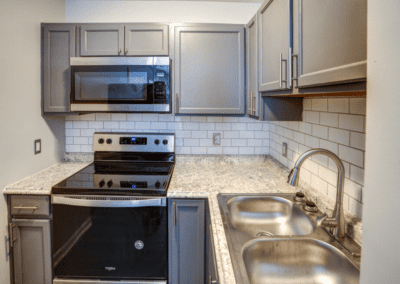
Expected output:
{"points": [[217, 138], [284, 149], [38, 146]]}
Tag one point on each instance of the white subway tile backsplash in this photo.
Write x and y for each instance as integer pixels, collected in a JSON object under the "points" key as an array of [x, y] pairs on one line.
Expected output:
{"points": [[231, 134], [226, 142], [261, 150], [230, 150], [150, 117], [246, 150], [206, 142], [222, 126], [190, 126], [355, 207], [87, 132], [166, 117], [353, 156], [320, 131], [340, 105], [246, 134], [179, 142], [254, 142], [134, 117], [312, 117], [319, 104], [197, 119], [111, 124], [357, 140], [141, 125], [254, 126], [158, 125], [214, 119], [214, 151], [198, 150], [288, 133], [72, 117], [239, 142], [239, 126], [261, 134], [305, 127], [357, 174], [72, 148], [68, 124], [311, 141], [190, 142], [88, 117], [183, 151], [87, 148], [118, 117], [319, 184], [307, 104], [333, 147], [230, 119], [69, 140], [329, 119], [328, 175], [358, 106], [182, 118], [207, 126], [80, 124], [351, 122], [199, 134], [103, 116], [72, 132], [352, 189], [339, 136]]}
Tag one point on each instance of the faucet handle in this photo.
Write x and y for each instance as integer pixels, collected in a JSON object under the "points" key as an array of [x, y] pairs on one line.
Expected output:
{"points": [[321, 219], [290, 175]]}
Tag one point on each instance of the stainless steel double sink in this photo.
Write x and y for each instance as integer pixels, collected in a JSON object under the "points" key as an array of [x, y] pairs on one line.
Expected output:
{"points": [[272, 239]]}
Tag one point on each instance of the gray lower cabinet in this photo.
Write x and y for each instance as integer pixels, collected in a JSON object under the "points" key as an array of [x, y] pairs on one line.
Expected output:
{"points": [[146, 39], [209, 69], [253, 97], [191, 249], [332, 41], [58, 46], [275, 31], [32, 251], [101, 40]]}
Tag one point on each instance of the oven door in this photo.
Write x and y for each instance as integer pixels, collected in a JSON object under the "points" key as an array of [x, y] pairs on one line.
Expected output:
{"points": [[106, 238]]}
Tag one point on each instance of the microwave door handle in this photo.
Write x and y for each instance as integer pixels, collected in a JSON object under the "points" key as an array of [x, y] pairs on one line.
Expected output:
{"points": [[90, 201]]}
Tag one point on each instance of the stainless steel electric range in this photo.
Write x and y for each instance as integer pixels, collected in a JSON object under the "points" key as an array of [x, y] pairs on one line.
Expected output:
{"points": [[110, 218]]}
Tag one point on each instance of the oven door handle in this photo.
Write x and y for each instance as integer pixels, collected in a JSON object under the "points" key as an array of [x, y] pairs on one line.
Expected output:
{"points": [[107, 201]]}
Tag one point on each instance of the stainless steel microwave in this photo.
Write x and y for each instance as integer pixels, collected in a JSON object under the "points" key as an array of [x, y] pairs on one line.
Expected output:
{"points": [[120, 84]]}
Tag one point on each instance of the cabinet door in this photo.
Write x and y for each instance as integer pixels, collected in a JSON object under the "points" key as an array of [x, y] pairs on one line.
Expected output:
{"points": [[275, 33], [209, 69], [102, 40], [252, 68], [146, 40], [332, 41], [32, 251], [186, 241], [58, 47]]}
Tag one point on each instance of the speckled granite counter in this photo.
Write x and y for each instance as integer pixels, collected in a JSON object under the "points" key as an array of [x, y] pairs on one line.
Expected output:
{"points": [[202, 177], [41, 182]]}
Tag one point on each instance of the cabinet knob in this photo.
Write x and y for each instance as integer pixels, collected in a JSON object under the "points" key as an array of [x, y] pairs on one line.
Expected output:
{"points": [[126, 52], [119, 51]]}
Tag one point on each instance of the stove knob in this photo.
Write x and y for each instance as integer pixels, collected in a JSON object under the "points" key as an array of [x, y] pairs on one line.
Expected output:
{"points": [[157, 184], [101, 141], [102, 183], [110, 183], [109, 141], [165, 142], [156, 141]]}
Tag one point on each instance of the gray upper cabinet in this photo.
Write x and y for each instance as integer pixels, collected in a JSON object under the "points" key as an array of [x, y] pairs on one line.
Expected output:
{"points": [[209, 69], [186, 246], [275, 30], [32, 251], [102, 40], [146, 40], [332, 41], [58, 47], [253, 97]]}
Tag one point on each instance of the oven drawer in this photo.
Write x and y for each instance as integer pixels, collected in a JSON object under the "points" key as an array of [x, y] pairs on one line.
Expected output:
{"points": [[35, 205]]}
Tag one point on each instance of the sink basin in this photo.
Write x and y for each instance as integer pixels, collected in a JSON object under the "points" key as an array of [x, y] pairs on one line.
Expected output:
{"points": [[268, 216], [297, 261]]}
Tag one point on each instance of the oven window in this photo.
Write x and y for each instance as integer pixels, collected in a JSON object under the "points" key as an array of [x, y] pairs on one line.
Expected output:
{"points": [[112, 83], [110, 243]]}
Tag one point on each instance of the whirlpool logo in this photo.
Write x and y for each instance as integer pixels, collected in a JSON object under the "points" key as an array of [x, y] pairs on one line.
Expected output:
{"points": [[110, 268]]}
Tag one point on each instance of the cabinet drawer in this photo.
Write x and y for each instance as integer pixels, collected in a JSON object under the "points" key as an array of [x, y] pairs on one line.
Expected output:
{"points": [[25, 205]]}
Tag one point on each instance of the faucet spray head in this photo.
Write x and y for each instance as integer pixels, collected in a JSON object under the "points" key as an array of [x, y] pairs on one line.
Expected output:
{"points": [[293, 178]]}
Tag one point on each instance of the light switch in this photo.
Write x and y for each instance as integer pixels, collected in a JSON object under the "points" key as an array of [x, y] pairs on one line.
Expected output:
{"points": [[38, 146]]}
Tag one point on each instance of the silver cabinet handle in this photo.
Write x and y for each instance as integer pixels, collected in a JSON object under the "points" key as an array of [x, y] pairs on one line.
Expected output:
{"points": [[177, 103], [290, 66], [120, 51], [251, 103], [126, 52], [174, 213], [254, 103], [280, 70], [106, 202], [26, 207], [12, 240], [297, 66], [210, 281]]}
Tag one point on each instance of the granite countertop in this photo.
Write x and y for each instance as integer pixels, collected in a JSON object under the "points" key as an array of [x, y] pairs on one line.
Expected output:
{"points": [[198, 177]]}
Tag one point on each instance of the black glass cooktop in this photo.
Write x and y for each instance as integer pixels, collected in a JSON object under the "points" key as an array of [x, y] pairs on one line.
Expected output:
{"points": [[111, 177]]}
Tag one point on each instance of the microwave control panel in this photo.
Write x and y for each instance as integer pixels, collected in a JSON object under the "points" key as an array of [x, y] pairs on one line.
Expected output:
{"points": [[159, 90]]}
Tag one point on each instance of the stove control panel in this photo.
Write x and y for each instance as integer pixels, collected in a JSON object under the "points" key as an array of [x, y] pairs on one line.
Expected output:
{"points": [[134, 142]]}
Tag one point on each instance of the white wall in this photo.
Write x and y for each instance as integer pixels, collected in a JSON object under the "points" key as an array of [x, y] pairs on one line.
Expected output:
{"points": [[381, 219], [20, 101], [160, 11]]}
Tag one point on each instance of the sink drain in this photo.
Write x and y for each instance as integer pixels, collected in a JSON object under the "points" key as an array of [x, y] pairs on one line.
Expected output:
{"points": [[264, 234]]}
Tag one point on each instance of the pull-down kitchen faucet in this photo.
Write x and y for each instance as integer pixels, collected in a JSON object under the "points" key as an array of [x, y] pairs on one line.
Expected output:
{"points": [[336, 222]]}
